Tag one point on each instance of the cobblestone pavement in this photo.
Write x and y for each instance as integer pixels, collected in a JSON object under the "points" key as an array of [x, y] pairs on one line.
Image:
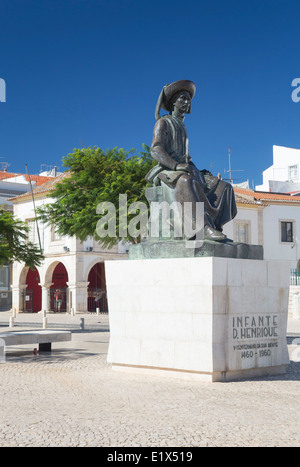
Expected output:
{"points": [[72, 397]]}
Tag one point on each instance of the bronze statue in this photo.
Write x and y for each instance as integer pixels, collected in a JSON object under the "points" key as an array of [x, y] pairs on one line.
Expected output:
{"points": [[176, 173]]}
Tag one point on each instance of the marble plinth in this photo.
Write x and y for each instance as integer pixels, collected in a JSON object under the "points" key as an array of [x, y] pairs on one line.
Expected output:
{"points": [[209, 318], [192, 249]]}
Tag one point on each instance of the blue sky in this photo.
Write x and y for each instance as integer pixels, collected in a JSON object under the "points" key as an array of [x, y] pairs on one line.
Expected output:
{"points": [[89, 72]]}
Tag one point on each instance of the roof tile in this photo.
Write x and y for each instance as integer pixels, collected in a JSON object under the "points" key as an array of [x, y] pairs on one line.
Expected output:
{"points": [[38, 179], [243, 195]]}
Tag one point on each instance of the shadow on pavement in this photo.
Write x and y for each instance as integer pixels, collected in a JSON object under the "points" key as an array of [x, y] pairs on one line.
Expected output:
{"points": [[54, 357]]}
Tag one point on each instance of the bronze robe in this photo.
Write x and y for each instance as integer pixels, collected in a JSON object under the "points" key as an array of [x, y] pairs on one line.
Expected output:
{"points": [[170, 147]]}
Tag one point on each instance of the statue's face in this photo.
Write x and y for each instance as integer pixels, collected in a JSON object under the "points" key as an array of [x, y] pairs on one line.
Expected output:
{"points": [[183, 102]]}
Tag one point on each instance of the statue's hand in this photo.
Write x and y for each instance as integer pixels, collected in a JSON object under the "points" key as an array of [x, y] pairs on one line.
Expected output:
{"points": [[184, 167]]}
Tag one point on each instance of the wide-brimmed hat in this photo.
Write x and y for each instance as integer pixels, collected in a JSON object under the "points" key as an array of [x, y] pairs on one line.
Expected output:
{"points": [[170, 90]]}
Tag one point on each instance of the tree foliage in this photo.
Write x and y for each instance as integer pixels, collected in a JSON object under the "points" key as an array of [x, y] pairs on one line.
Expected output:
{"points": [[13, 242], [96, 176]]}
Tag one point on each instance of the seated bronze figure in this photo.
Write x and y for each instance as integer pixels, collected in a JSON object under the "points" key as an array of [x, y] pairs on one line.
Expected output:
{"points": [[176, 173]]}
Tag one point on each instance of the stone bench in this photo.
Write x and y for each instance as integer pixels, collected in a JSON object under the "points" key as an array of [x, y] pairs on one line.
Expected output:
{"points": [[43, 338]]}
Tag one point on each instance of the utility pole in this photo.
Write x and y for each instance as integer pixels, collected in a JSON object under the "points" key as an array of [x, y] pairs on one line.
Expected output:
{"points": [[33, 202]]}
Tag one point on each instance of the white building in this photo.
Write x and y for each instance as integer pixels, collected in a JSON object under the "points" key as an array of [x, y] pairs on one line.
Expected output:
{"points": [[270, 215], [72, 275], [268, 219], [283, 176], [271, 220], [13, 184]]}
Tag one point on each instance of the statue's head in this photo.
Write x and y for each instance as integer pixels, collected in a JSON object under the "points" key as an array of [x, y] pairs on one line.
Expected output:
{"points": [[173, 93], [182, 102]]}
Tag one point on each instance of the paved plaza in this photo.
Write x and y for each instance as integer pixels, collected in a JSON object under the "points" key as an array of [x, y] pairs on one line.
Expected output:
{"points": [[72, 397]]}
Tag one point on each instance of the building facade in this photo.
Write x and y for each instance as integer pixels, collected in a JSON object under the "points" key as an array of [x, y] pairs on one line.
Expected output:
{"points": [[271, 220], [11, 185], [268, 219], [72, 275]]}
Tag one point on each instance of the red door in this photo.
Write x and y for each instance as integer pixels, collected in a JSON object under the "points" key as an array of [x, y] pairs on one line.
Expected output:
{"points": [[34, 295]]}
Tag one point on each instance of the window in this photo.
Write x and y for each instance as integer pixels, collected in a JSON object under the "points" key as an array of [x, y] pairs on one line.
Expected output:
{"points": [[55, 237], [5, 277], [293, 172], [32, 234], [242, 232], [287, 234]]}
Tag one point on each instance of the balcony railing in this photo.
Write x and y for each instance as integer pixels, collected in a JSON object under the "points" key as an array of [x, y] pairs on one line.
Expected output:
{"points": [[294, 277]]}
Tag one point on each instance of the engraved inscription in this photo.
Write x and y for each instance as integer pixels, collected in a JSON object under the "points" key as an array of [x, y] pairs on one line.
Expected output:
{"points": [[255, 336], [253, 327]]}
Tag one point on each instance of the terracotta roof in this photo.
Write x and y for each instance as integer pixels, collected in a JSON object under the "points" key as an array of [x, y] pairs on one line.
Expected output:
{"points": [[38, 179], [243, 200], [242, 195], [265, 196], [275, 197], [45, 188]]}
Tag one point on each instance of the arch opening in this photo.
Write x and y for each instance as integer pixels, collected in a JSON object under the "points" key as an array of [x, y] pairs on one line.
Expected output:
{"points": [[59, 289], [97, 297]]}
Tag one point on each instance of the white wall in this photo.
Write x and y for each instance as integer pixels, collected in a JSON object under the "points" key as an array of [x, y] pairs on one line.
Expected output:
{"points": [[282, 158], [273, 247], [269, 233], [25, 211], [12, 187]]}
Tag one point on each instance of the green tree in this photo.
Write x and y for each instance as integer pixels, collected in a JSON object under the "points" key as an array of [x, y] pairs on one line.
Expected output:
{"points": [[94, 177], [13, 242]]}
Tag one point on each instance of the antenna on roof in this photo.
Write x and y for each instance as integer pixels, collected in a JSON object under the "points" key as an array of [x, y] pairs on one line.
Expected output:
{"points": [[4, 165], [230, 170], [51, 170], [37, 225]]}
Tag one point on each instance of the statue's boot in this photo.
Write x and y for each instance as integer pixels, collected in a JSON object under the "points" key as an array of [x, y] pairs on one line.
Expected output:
{"points": [[212, 234]]}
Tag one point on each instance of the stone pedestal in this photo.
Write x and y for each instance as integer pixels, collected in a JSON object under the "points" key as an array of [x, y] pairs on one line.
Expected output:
{"points": [[209, 318]]}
